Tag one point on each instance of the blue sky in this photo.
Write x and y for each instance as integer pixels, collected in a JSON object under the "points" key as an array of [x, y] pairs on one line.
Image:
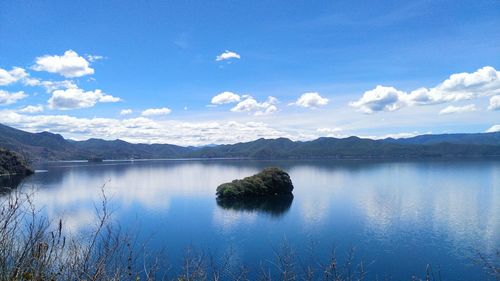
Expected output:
{"points": [[298, 69]]}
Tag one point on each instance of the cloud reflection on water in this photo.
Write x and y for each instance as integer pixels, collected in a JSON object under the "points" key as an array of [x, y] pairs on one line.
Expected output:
{"points": [[388, 199]]}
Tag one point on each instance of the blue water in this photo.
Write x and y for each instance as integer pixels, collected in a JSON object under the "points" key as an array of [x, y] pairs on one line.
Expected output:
{"points": [[399, 216]]}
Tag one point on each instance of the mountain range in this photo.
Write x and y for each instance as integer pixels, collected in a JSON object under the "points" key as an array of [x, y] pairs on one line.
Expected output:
{"points": [[46, 146]]}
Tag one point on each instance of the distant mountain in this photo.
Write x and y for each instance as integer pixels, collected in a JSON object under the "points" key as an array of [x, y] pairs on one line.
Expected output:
{"points": [[119, 149], [48, 146], [351, 147], [38, 146], [483, 138]]}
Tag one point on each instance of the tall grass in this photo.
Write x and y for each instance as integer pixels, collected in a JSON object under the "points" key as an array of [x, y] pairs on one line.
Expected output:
{"points": [[32, 247]]}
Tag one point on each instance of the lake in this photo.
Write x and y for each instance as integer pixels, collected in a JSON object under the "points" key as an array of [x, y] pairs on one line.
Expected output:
{"points": [[398, 216]]}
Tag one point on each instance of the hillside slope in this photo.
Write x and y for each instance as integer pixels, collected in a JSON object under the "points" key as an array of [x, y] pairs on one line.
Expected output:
{"points": [[47, 146], [12, 164], [478, 139], [352, 147]]}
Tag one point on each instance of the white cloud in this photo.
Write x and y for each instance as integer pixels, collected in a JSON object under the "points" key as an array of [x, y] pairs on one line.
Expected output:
{"points": [[249, 104], [397, 135], [225, 97], [461, 86], [108, 98], [340, 133], [126, 111], [329, 130], [7, 98], [493, 129], [32, 109], [227, 55], [50, 86], [68, 65], [479, 82], [75, 98], [142, 129], [272, 100], [269, 110], [380, 99], [310, 100], [156, 111], [93, 58], [20, 74], [494, 103], [458, 109], [12, 76]]}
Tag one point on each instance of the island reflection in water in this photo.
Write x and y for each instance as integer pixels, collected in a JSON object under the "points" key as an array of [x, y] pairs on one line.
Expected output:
{"points": [[405, 213], [275, 206]]}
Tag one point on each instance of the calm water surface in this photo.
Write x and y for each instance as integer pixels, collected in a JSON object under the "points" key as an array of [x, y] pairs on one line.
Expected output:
{"points": [[399, 216]]}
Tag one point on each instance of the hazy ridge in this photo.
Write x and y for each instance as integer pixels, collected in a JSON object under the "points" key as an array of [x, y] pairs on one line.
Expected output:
{"points": [[48, 146]]}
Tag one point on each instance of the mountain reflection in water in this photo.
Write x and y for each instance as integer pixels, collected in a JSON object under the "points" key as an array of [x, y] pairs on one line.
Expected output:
{"points": [[9, 183], [404, 213]]}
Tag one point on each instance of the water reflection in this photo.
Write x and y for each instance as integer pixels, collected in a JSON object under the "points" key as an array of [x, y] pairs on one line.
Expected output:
{"points": [[9, 183], [406, 213], [276, 206]]}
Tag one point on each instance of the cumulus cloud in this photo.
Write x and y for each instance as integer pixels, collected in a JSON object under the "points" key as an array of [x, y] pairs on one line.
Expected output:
{"points": [[18, 74], [458, 87], [32, 109], [7, 98], [227, 55], [75, 98], [249, 104], [126, 111], [11, 76], [269, 110], [156, 111], [458, 109], [493, 129], [68, 65], [310, 100], [225, 97], [380, 99], [494, 103], [143, 129]]}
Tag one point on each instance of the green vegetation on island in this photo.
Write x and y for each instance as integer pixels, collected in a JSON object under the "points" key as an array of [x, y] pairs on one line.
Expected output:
{"points": [[12, 163], [269, 182]]}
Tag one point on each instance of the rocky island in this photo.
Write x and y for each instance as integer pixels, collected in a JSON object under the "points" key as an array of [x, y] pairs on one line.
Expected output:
{"points": [[269, 182], [12, 163]]}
